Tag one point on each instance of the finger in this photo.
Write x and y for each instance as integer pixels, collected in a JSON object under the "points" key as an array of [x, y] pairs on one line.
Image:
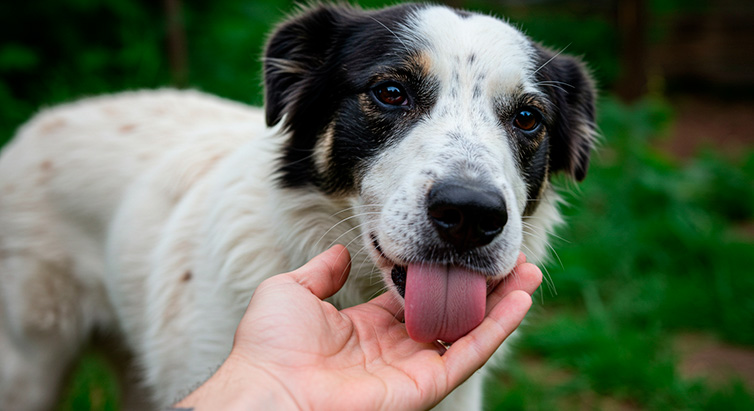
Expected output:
{"points": [[324, 274], [389, 302], [526, 277], [470, 352]]}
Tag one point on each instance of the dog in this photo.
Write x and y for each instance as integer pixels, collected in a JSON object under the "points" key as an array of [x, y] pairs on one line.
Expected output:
{"points": [[422, 137]]}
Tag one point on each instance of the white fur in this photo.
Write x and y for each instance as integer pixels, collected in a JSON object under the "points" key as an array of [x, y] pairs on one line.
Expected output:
{"points": [[154, 215]]}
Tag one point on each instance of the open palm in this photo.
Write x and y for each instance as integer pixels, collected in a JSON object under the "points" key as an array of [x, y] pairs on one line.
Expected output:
{"points": [[362, 356]]}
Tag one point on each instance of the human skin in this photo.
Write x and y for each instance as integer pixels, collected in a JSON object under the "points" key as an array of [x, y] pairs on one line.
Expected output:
{"points": [[292, 350]]}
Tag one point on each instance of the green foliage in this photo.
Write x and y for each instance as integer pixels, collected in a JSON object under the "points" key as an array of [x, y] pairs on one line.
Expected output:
{"points": [[226, 39], [53, 51], [658, 237], [93, 387]]}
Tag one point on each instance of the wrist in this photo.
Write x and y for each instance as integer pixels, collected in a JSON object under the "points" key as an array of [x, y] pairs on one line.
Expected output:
{"points": [[240, 385]]}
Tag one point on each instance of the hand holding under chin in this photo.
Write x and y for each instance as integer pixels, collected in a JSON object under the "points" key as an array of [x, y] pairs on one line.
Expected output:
{"points": [[294, 351]]}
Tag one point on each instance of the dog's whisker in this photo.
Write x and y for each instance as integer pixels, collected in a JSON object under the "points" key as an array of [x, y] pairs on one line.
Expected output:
{"points": [[362, 263], [357, 238], [516, 278], [379, 292], [355, 207], [301, 160], [532, 231], [550, 247], [547, 278], [551, 82], [544, 232], [556, 84], [393, 33], [538, 232], [550, 60], [347, 232], [398, 301], [342, 221]]}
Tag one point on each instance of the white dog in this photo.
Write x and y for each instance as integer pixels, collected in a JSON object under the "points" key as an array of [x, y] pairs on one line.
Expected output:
{"points": [[420, 136]]}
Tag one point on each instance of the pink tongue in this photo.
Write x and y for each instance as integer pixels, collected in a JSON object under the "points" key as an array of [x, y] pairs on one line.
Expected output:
{"points": [[442, 302]]}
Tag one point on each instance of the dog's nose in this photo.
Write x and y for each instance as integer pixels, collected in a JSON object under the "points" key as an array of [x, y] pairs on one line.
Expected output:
{"points": [[466, 216]]}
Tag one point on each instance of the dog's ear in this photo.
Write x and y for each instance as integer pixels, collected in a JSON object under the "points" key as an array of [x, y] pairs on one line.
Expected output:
{"points": [[571, 89], [296, 57]]}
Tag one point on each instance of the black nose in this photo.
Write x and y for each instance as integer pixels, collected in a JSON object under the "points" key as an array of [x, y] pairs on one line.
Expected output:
{"points": [[466, 216]]}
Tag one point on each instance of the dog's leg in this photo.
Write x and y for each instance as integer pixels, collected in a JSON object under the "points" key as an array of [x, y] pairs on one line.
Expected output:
{"points": [[40, 330]]}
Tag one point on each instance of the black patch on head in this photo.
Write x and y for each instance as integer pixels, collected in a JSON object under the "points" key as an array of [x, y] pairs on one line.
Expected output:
{"points": [[535, 175], [571, 92], [319, 70]]}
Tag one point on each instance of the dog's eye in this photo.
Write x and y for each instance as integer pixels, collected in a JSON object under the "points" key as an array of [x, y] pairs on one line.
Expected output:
{"points": [[391, 94], [527, 119]]}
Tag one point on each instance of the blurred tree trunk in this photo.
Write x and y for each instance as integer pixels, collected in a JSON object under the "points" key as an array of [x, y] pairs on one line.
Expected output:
{"points": [[632, 26], [176, 44]]}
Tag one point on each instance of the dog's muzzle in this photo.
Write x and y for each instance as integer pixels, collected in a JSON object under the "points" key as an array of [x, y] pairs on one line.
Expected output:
{"points": [[445, 301]]}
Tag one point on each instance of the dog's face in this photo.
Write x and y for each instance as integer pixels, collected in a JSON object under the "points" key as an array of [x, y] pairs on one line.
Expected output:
{"points": [[444, 127]]}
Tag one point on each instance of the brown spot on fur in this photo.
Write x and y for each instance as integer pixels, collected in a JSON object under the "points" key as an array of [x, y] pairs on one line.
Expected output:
{"points": [[52, 125], [127, 128], [45, 173], [186, 276], [110, 110]]}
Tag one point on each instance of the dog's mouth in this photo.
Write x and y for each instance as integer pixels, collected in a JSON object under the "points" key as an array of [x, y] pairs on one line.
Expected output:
{"points": [[441, 301], [398, 275]]}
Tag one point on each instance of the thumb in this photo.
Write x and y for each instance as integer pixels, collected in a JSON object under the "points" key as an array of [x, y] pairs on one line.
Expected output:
{"points": [[324, 274]]}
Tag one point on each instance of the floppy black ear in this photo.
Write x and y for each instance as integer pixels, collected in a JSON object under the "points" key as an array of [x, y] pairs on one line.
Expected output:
{"points": [[297, 64], [572, 92]]}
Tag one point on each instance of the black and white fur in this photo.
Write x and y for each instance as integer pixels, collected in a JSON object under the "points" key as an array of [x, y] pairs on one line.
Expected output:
{"points": [[153, 215]]}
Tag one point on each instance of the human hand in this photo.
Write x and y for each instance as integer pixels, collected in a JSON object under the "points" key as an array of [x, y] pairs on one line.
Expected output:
{"points": [[293, 350]]}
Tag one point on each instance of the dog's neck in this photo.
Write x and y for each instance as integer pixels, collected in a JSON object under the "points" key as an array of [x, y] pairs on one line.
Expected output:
{"points": [[310, 222]]}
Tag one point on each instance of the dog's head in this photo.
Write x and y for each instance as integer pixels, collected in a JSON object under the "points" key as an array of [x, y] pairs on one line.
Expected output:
{"points": [[443, 126]]}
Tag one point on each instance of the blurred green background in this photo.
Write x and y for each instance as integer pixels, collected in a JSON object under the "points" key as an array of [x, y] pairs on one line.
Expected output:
{"points": [[649, 295]]}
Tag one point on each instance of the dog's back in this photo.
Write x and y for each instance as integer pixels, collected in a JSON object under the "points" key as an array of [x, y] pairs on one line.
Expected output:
{"points": [[82, 156]]}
